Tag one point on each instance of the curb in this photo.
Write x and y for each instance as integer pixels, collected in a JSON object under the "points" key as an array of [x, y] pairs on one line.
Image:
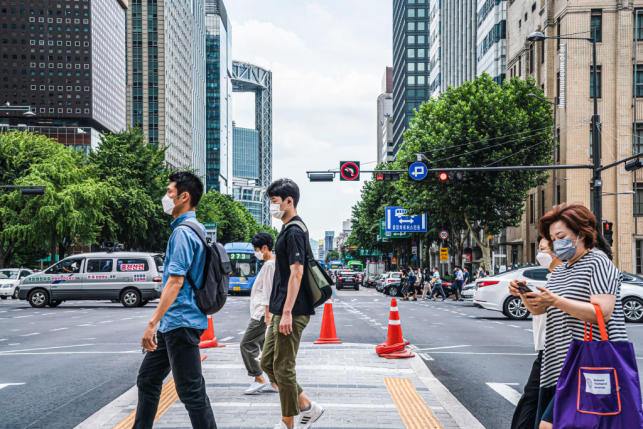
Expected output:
{"points": [[105, 414]]}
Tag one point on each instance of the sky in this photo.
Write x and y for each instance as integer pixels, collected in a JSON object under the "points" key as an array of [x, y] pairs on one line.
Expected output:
{"points": [[327, 58]]}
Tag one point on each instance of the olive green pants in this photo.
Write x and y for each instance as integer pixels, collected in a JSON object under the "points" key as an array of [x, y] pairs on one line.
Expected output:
{"points": [[279, 359]]}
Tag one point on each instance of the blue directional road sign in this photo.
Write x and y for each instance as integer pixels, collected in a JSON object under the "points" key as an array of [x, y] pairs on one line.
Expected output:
{"points": [[398, 221], [418, 171]]}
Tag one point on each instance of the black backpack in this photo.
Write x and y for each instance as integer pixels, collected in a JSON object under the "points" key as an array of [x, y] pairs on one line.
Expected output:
{"points": [[213, 294], [319, 282]]}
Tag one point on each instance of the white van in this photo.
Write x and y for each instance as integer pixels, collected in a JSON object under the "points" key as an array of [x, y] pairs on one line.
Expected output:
{"points": [[133, 278]]}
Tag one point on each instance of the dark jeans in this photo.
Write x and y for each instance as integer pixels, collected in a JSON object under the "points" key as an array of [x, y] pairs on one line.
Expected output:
{"points": [[527, 408], [177, 350], [457, 288], [437, 288]]}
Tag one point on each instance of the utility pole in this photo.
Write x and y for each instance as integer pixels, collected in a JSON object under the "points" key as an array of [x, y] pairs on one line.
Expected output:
{"points": [[596, 145]]}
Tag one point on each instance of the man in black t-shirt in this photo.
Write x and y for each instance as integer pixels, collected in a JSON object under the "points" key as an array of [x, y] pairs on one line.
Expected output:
{"points": [[291, 308]]}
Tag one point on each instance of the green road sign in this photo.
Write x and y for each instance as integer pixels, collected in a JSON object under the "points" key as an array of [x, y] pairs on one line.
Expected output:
{"points": [[385, 235], [210, 225]]}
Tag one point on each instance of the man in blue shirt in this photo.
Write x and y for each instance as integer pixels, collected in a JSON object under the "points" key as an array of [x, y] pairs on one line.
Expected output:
{"points": [[180, 323], [457, 285]]}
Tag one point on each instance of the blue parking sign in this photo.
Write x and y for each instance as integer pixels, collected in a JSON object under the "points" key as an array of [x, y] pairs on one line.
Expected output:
{"points": [[418, 171], [397, 220]]}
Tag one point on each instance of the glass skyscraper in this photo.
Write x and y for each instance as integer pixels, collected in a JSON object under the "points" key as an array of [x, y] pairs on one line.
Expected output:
{"points": [[218, 48], [411, 63], [245, 161]]}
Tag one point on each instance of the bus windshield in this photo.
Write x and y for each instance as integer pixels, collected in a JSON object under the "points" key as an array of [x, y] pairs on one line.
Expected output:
{"points": [[243, 264]]}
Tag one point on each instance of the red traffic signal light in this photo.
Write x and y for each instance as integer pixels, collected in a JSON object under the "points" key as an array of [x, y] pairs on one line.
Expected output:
{"points": [[443, 177]]}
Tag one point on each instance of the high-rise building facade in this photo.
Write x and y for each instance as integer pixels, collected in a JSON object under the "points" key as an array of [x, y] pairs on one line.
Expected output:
{"points": [[245, 170], [410, 64], [385, 118], [198, 89], [453, 44], [329, 237], [563, 69], [65, 61], [218, 97], [162, 82], [491, 52]]}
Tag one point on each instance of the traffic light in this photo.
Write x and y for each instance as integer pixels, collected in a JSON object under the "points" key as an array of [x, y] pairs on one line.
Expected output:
{"points": [[608, 231], [33, 191], [387, 177], [443, 176], [633, 165]]}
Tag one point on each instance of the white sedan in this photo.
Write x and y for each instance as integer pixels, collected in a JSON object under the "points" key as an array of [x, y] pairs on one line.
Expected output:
{"points": [[10, 279], [492, 292], [632, 297]]}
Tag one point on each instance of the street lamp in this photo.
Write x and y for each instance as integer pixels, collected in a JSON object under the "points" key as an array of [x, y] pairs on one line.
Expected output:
{"points": [[554, 143], [596, 149], [25, 109], [619, 193]]}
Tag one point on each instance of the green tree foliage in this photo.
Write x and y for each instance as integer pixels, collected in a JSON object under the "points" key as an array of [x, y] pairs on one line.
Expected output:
{"points": [[70, 210], [138, 180], [332, 255], [480, 124]]}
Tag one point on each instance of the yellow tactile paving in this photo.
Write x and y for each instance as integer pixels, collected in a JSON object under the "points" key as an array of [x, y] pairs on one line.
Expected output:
{"points": [[413, 410], [168, 397]]}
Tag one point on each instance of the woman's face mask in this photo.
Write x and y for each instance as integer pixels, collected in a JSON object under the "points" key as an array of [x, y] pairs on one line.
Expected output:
{"points": [[563, 248], [544, 259]]}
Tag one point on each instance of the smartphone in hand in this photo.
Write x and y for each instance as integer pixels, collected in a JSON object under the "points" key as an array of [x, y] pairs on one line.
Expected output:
{"points": [[523, 288]]}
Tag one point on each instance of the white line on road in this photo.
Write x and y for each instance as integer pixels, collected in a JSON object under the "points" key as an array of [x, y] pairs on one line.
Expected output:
{"points": [[514, 326], [44, 348], [4, 339], [503, 389], [480, 353], [57, 329], [227, 338], [2, 386], [127, 318], [425, 356], [529, 330], [106, 321], [445, 347], [241, 333], [29, 335], [21, 317], [87, 324], [336, 368]]}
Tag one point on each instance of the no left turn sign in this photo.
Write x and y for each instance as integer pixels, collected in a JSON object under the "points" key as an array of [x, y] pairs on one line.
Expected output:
{"points": [[349, 171]]}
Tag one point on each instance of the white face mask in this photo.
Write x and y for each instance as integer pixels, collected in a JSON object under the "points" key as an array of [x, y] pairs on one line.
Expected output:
{"points": [[276, 212], [544, 259], [168, 204], [259, 255]]}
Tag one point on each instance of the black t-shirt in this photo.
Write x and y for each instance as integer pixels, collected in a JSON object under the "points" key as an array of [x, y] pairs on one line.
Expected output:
{"points": [[290, 248]]}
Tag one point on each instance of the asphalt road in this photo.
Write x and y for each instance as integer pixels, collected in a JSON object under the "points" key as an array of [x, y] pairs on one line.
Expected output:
{"points": [[70, 361]]}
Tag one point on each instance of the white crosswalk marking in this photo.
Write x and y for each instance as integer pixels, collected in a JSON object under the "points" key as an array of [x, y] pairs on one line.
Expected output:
{"points": [[2, 386], [509, 393]]}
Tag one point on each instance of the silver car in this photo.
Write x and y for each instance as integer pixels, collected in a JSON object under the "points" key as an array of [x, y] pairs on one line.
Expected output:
{"points": [[133, 278]]}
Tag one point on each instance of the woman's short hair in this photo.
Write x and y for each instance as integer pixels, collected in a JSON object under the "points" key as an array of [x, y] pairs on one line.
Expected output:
{"points": [[577, 217]]}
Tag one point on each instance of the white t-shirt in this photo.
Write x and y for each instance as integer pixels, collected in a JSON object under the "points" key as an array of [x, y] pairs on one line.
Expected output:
{"points": [[261, 290], [539, 324]]}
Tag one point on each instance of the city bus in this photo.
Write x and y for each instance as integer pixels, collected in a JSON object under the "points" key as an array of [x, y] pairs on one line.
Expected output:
{"points": [[322, 263], [355, 266], [245, 266], [336, 265]]}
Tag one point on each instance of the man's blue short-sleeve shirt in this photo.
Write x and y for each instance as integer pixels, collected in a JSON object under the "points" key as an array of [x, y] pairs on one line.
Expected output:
{"points": [[185, 253]]}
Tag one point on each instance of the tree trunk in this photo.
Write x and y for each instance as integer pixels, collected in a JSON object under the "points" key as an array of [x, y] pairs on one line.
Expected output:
{"points": [[484, 245]]}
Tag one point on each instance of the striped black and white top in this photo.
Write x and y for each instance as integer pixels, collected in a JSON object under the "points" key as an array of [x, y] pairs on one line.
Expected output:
{"points": [[593, 274]]}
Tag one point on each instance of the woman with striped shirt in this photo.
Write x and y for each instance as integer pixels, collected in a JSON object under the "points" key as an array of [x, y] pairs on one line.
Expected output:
{"points": [[587, 277]]}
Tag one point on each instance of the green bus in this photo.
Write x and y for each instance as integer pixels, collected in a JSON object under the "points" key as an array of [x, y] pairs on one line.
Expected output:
{"points": [[355, 266]]}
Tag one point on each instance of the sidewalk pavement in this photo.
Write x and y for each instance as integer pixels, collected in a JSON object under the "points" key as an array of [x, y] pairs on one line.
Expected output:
{"points": [[357, 388]]}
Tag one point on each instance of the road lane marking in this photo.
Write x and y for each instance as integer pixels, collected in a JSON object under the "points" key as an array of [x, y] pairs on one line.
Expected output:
{"points": [[481, 353], [425, 356], [347, 368], [2, 386], [106, 321], [445, 347], [241, 333], [29, 335], [45, 348], [414, 411], [509, 393], [227, 339], [514, 326], [21, 317], [4, 339], [57, 329]]}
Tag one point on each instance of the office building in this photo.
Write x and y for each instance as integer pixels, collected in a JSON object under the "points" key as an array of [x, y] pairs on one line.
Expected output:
{"points": [[347, 226], [64, 62], [199, 74], [218, 46], [410, 64], [385, 119], [314, 246], [322, 252], [162, 81], [328, 241], [245, 171], [563, 69], [491, 52], [453, 44]]}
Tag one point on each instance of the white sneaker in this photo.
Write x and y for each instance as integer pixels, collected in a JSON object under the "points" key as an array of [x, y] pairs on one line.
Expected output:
{"points": [[255, 388], [307, 418], [281, 425], [269, 389]]}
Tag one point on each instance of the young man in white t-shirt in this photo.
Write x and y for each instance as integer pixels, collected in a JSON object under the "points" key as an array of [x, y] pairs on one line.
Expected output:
{"points": [[260, 316]]}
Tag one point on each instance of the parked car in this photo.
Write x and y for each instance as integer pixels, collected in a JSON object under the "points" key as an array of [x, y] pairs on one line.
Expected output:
{"points": [[347, 278], [492, 293], [380, 282], [134, 278], [10, 279], [468, 290], [391, 283], [632, 297]]}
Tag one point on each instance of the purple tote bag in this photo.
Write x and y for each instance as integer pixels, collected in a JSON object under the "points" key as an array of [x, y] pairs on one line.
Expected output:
{"points": [[598, 386]]}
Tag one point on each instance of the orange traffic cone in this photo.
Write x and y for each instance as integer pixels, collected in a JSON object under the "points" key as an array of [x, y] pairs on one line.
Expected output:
{"points": [[208, 339], [328, 334], [394, 343]]}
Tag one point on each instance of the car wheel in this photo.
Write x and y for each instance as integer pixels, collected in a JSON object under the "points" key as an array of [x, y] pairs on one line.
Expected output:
{"points": [[15, 293], [633, 309], [38, 298], [144, 302], [55, 303], [130, 298], [393, 291], [515, 309]]}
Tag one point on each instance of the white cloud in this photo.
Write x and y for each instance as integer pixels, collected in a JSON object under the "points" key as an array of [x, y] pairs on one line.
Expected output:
{"points": [[327, 60]]}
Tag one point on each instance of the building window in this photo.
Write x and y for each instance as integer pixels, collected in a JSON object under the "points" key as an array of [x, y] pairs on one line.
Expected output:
{"points": [[410, 67], [638, 24], [411, 80], [542, 203], [410, 53], [596, 24], [638, 80], [558, 34], [411, 13], [531, 209], [410, 40], [638, 200], [558, 199], [598, 81], [638, 138], [542, 53], [558, 160]]}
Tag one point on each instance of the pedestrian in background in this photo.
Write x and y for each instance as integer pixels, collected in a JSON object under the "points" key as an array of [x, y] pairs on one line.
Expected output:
{"points": [[466, 276], [480, 273], [426, 290], [404, 283], [525, 414], [260, 316], [176, 344], [419, 284], [588, 276], [291, 308], [436, 282], [457, 284], [410, 284]]}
